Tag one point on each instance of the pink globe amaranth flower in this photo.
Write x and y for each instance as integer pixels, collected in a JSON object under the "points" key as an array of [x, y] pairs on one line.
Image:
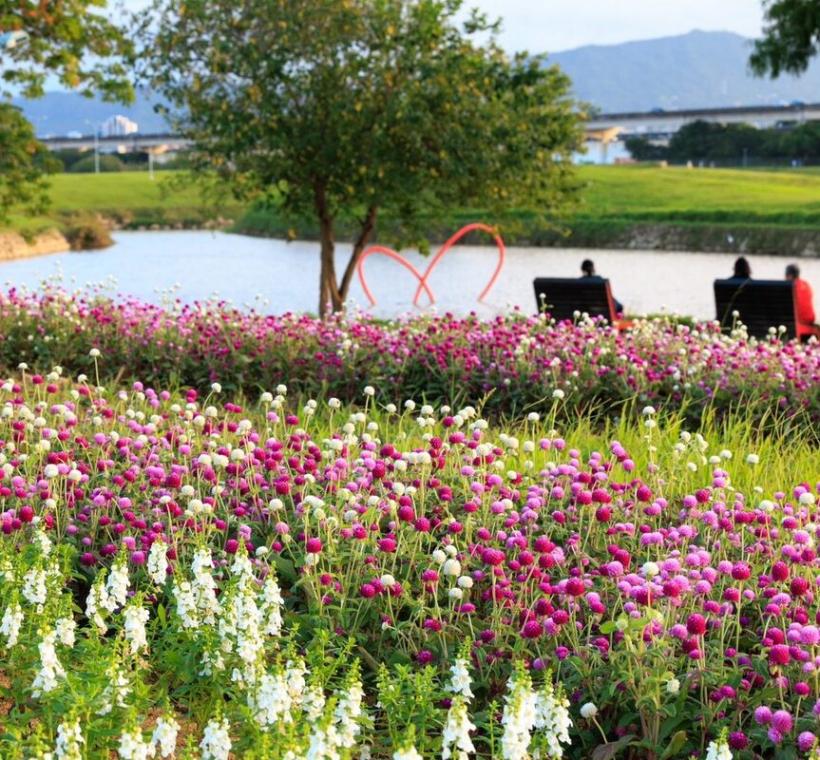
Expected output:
{"points": [[763, 715], [774, 735], [313, 545], [738, 740], [696, 624], [367, 590], [806, 740], [138, 557], [779, 655], [782, 721], [424, 657]]}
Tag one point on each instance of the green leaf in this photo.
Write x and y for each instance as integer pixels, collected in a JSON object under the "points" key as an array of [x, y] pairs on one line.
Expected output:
{"points": [[675, 745], [610, 750]]}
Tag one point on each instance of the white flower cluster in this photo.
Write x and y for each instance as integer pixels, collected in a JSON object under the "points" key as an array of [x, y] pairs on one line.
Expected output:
{"points": [[157, 565], [51, 670], [34, 586], [94, 603], [519, 716], [135, 617], [66, 629], [718, 750], [117, 690], [216, 740], [552, 719], [70, 741], [164, 738], [456, 741], [133, 747], [116, 588], [10, 625]]}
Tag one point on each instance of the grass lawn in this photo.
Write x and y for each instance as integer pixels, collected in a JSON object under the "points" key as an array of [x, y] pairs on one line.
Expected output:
{"points": [[611, 193], [708, 195]]}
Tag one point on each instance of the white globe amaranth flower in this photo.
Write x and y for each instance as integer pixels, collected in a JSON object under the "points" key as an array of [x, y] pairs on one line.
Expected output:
{"points": [[588, 710]]}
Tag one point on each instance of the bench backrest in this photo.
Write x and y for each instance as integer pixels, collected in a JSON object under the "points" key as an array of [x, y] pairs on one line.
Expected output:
{"points": [[760, 304], [561, 297]]}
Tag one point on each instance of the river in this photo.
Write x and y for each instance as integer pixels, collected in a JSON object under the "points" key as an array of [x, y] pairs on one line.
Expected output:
{"points": [[276, 276]]}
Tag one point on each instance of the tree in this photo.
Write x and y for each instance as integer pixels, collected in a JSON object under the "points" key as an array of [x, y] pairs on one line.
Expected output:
{"points": [[345, 110], [643, 149], [791, 37], [24, 163], [70, 39]]}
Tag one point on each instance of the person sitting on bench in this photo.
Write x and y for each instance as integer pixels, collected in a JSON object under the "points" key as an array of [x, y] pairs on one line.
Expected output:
{"points": [[742, 270], [803, 297], [588, 270]]}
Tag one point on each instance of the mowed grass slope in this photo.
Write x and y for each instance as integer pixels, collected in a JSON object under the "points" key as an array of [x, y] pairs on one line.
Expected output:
{"points": [[707, 195], [626, 193]]}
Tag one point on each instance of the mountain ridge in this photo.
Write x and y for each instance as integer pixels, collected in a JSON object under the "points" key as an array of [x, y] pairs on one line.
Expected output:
{"points": [[700, 69]]}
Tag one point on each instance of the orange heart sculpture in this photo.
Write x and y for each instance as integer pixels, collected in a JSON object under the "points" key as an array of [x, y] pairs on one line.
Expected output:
{"points": [[422, 278]]}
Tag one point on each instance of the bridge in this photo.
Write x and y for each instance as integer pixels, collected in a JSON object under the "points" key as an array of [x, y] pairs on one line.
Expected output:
{"points": [[661, 125], [133, 143], [605, 133]]}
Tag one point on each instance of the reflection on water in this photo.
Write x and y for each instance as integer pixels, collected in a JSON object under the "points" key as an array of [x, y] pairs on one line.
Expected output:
{"points": [[276, 276]]}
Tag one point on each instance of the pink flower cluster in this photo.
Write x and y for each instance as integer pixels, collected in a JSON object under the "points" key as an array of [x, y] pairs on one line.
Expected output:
{"points": [[514, 360]]}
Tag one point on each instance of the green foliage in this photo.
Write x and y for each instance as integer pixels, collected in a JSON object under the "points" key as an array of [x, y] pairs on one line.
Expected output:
{"points": [[73, 40], [790, 39], [23, 163], [88, 164], [352, 108]]}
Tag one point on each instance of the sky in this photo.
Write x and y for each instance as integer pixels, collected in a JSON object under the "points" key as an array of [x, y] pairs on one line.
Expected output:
{"points": [[549, 26], [554, 25]]}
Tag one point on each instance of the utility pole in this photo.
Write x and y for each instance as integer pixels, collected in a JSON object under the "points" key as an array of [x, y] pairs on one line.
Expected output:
{"points": [[96, 149]]}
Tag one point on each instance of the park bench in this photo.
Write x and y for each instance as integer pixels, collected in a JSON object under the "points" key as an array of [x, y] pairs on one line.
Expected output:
{"points": [[563, 297], [760, 305]]}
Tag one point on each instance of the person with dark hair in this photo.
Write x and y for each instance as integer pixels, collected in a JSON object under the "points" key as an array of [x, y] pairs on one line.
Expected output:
{"points": [[803, 297], [588, 272], [742, 270]]}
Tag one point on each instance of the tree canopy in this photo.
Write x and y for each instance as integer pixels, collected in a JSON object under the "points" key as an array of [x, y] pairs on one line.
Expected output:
{"points": [[73, 40], [354, 108], [24, 163], [790, 37]]}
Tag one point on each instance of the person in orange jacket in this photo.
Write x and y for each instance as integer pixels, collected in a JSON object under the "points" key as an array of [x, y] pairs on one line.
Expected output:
{"points": [[803, 297]]}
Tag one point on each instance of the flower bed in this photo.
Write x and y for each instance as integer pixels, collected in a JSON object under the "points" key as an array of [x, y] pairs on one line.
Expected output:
{"points": [[186, 576], [509, 364]]}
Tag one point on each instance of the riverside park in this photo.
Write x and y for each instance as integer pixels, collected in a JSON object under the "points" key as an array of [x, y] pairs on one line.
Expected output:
{"points": [[375, 386]]}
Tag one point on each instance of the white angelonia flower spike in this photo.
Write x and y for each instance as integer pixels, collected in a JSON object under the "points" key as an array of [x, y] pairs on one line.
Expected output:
{"points": [[51, 671], [519, 717], [135, 616], [456, 741], [157, 565], [11, 623], [133, 747], [164, 738], [70, 741], [216, 740]]}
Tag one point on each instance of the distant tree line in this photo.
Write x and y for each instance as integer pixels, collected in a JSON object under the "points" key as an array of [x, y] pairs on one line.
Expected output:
{"points": [[732, 143], [78, 161]]}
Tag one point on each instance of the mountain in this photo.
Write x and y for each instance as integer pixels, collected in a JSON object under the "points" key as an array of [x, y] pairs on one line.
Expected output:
{"points": [[58, 113], [695, 70]]}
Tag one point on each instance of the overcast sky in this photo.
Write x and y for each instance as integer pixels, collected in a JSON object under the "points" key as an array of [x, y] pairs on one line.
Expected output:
{"points": [[553, 25]]}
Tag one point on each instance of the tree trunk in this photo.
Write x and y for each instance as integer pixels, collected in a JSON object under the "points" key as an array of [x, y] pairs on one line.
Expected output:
{"points": [[329, 296], [365, 231]]}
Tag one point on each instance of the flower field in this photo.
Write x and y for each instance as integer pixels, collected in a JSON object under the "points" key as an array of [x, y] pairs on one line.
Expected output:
{"points": [[184, 574], [508, 366]]}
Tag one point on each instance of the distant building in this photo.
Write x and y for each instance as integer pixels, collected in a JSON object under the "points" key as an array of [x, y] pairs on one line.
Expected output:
{"points": [[118, 126]]}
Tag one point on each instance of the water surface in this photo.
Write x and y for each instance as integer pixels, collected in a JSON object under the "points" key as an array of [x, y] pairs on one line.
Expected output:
{"points": [[277, 276]]}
